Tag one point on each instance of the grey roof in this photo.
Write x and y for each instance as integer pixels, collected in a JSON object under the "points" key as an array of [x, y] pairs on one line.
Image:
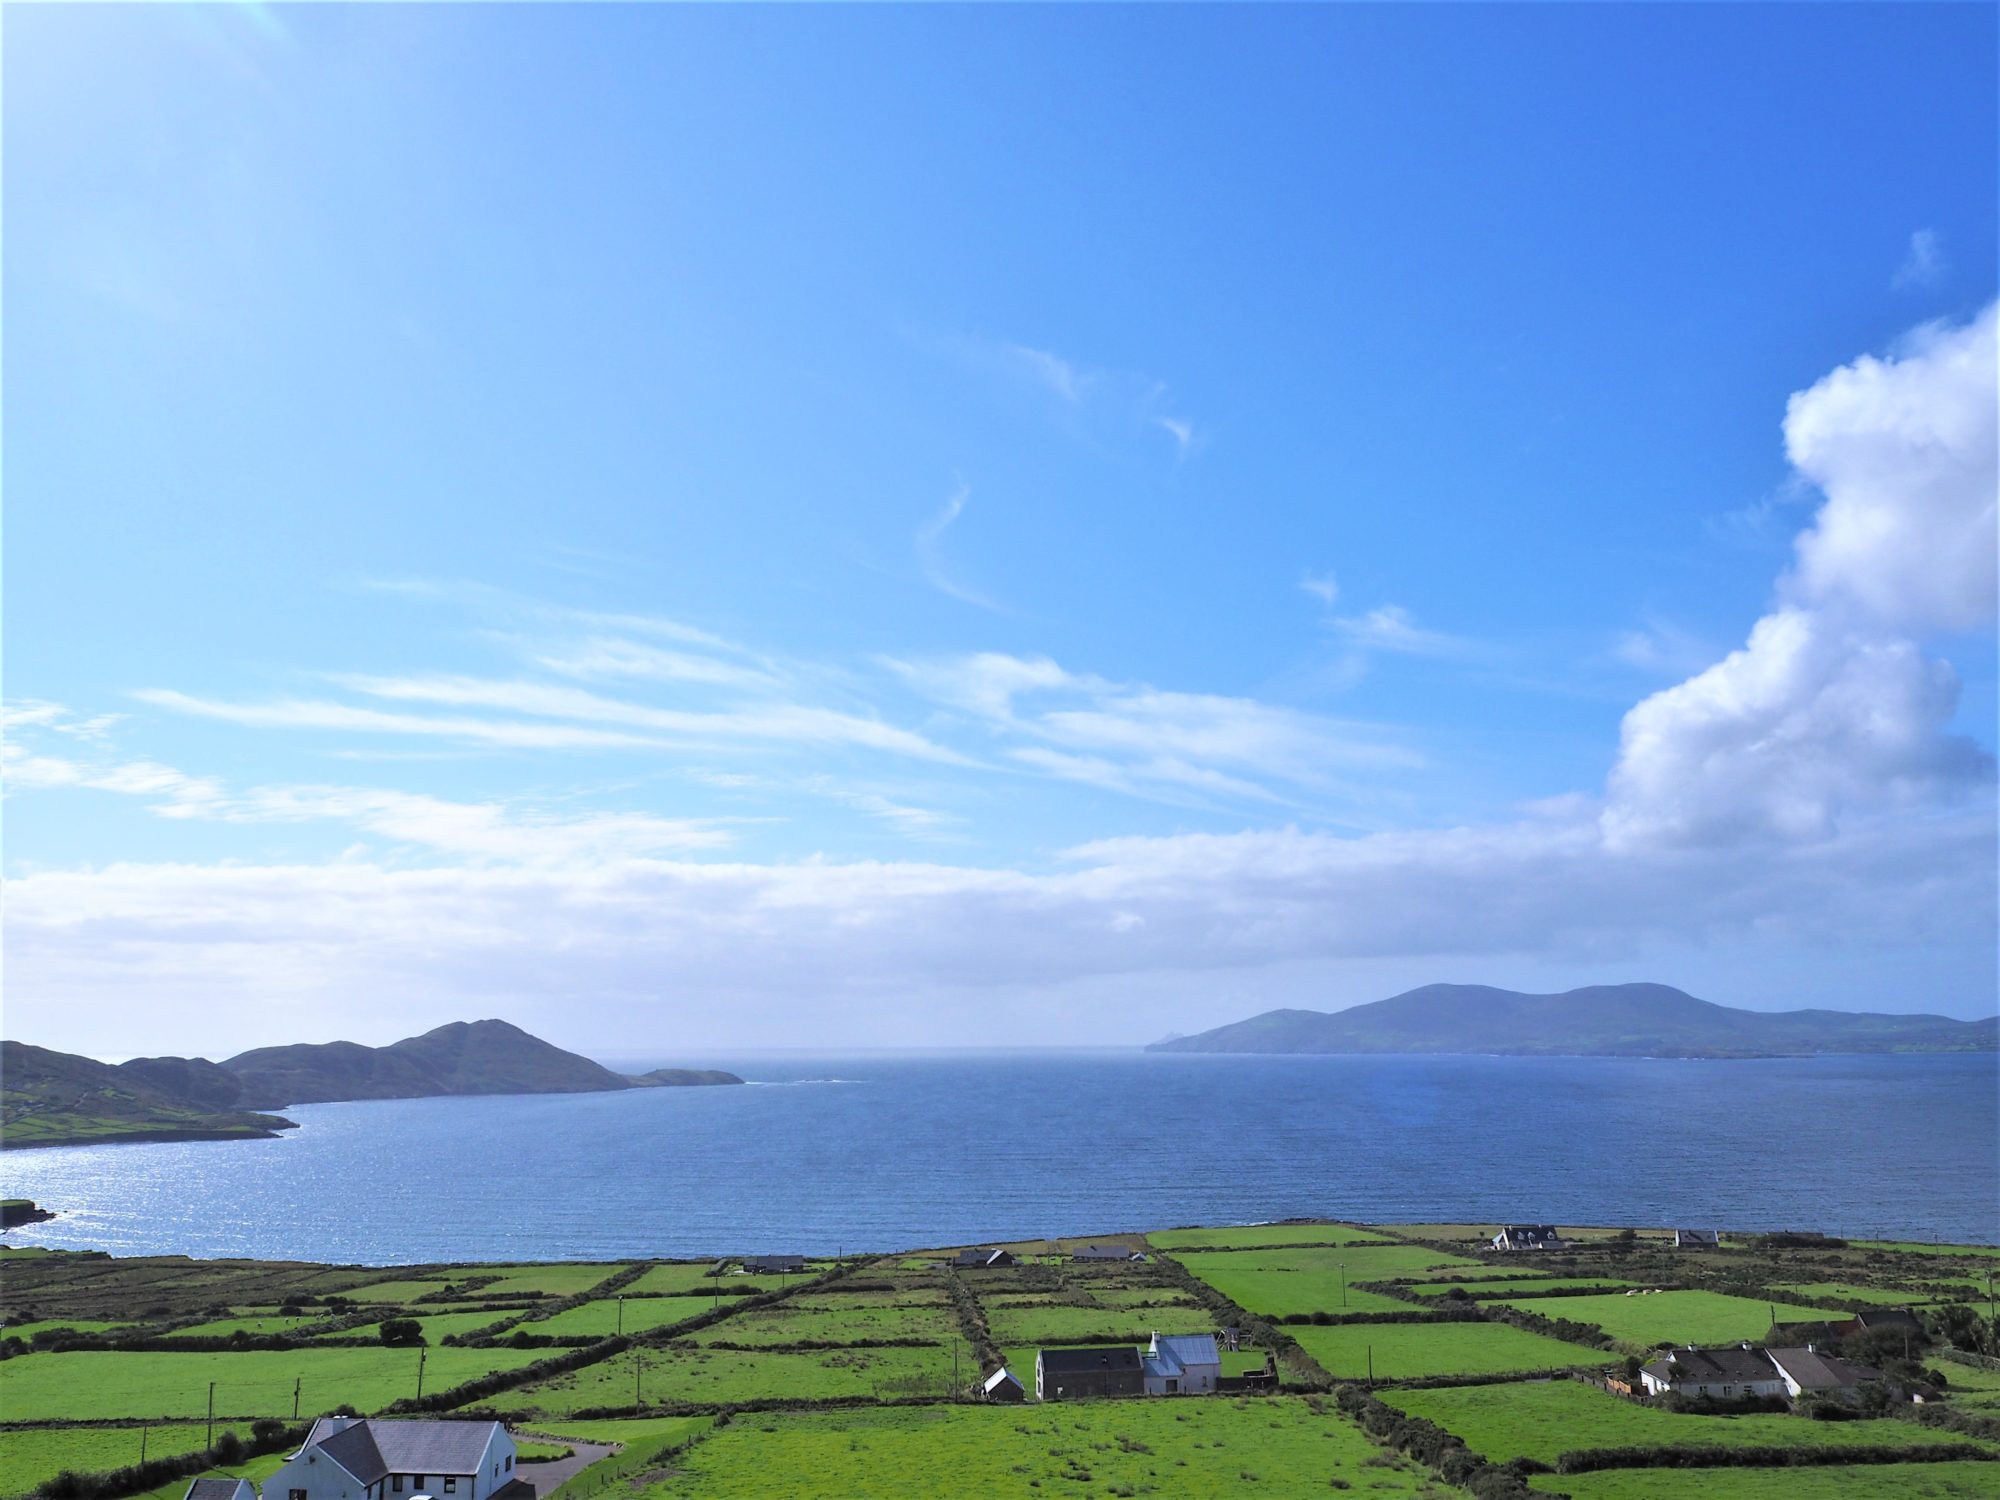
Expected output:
{"points": [[1735, 1364], [1812, 1371], [1189, 1348], [1103, 1252], [1697, 1236], [213, 1489], [984, 1256], [372, 1448], [1115, 1357], [775, 1263], [1886, 1317], [999, 1375], [1529, 1232]]}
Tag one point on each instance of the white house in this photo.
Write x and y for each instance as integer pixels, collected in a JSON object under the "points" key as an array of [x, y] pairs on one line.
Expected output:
{"points": [[1808, 1369], [1697, 1239], [1185, 1364], [1721, 1374], [1002, 1386], [1529, 1237], [367, 1458]]}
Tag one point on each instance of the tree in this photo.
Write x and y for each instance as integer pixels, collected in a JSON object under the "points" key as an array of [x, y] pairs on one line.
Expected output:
{"points": [[402, 1331]]}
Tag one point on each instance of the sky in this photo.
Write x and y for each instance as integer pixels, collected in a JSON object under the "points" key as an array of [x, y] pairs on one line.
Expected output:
{"points": [[710, 527]]}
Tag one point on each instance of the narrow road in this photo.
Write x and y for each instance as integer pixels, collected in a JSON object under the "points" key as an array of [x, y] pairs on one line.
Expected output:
{"points": [[545, 1474]]}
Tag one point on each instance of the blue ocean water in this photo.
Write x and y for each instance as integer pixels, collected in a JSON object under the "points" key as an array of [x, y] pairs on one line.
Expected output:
{"points": [[890, 1151]]}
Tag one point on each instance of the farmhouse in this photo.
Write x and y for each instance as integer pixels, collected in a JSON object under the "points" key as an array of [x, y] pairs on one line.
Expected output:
{"points": [[1187, 1364], [220, 1489], [1697, 1239], [1529, 1237], [1106, 1252], [1807, 1370], [969, 1259], [1721, 1374], [1002, 1386], [775, 1265], [1106, 1370], [365, 1458]]}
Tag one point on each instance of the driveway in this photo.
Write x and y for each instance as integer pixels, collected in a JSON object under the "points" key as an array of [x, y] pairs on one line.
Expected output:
{"points": [[546, 1474]]}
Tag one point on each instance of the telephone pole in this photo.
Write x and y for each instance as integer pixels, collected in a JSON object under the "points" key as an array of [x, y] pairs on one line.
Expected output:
{"points": [[297, 1381], [142, 1445], [621, 1315], [635, 1382], [211, 1414], [1343, 1283], [421, 1354]]}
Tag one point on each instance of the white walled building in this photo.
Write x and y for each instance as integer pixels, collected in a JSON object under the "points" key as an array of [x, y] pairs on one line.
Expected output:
{"points": [[357, 1458]]}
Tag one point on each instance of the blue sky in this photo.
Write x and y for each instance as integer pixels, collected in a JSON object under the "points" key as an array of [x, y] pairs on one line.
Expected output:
{"points": [[989, 525]]}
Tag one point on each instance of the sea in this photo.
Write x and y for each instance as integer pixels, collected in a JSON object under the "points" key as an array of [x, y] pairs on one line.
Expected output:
{"points": [[826, 1153]]}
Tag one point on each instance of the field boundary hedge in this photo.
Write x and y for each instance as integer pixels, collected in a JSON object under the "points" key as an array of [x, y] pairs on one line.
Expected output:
{"points": [[1690, 1456]]}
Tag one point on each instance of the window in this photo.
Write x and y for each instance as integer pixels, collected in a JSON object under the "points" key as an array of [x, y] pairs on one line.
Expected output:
{"points": [[398, 1483], [1729, 1390], [451, 1484], [510, 1461], [295, 1495]]}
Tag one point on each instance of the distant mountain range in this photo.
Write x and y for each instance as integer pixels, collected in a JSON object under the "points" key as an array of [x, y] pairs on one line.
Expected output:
{"points": [[55, 1098], [1611, 1020]]}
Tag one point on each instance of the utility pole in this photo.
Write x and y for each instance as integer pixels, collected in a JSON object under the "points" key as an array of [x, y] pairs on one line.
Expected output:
{"points": [[635, 1382], [421, 1353], [297, 1381], [1991, 1317], [1343, 1283], [1371, 1367], [621, 1315], [142, 1445], [211, 1414]]}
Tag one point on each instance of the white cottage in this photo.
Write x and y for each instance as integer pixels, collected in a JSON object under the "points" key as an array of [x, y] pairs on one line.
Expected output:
{"points": [[1185, 1364], [1721, 1374], [366, 1458]]}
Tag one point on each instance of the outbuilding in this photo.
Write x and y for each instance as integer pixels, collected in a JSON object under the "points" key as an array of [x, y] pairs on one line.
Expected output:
{"points": [[1100, 1370]]}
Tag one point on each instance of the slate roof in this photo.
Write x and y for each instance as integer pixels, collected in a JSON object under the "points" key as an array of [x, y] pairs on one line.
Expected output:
{"points": [[1812, 1371], [1734, 1365], [983, 1257], [371, 1448], [1101, 1252], [1115, 1357], [778, 1263], [1886, 1317], [1188, 1348], [998, 1377], [1697, 1237], [212, 1489], [1530, 1234]]}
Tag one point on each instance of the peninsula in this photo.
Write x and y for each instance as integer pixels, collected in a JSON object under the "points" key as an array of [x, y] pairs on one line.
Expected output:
{"points": [[1614, 1020], [52, 1098]]}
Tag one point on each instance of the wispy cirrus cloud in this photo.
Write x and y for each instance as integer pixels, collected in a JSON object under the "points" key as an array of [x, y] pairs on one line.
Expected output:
{"points": [[930, 550], [1922, 264]]}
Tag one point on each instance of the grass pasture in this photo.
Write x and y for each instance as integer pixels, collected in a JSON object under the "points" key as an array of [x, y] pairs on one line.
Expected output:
{"points": [[600, 1318], [248, 1383], [561, 1279], [1543, 1420], [30, 1455], [1415, 1351], [678, 1277], [437, 1326], [834, 1320], [1860, 1296], [1947, 1481], [1277, 1282], [1262, 1236], [1058, 1324], [1531, 1286], [1683, 1317], [1211, 1447], [684, 1374], [626, 1432]]}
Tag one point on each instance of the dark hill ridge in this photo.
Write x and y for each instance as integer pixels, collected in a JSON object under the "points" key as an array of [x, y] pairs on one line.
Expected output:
{"points": [[1613, 1020], [55, 1098]]}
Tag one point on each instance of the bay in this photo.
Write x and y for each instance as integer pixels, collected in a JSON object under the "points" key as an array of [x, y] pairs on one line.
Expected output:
{"points": [[888, 1151]]}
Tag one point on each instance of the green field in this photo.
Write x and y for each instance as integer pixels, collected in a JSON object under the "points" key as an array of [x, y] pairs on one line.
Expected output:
{"points": [[1543, 1420], [436, 1326], [1277, 1447], [74, 1325], [397, 1291], [1908, 1247], [1872, 1296], [1049, 1324], [701, 1376], [835, 1320], [624, 1431], [30, 1455], [1249, 1236], [561, 1280], [257, 1470], [250, 1383], [1412, 1351], [1683, 1317], [684, 1278], [221, 1328], [1276, 1282], [1949, 1481], [600, 1319]]}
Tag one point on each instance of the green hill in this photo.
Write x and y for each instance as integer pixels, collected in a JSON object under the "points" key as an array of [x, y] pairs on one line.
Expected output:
{"points": [[1620, 1020], [58, 1099]]}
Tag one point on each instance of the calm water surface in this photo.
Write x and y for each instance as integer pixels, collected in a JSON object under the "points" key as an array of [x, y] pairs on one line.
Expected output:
{"points": [[895, 1151]]}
